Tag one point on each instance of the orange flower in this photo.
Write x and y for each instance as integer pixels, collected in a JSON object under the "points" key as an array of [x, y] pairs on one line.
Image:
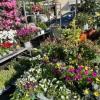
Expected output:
{"points": [[83, 37]]}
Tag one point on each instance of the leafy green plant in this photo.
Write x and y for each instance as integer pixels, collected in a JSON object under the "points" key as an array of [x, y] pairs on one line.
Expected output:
{"points": [[6, 75], [72, 34], [82, 19], [86, 6], [42, 25], [37, 0]]}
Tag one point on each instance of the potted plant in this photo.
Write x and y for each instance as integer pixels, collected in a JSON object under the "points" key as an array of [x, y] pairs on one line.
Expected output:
{"points": [[43, 27], [25, 34]]}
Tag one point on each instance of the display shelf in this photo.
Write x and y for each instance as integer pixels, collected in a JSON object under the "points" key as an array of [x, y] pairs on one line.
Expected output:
{"points": [[9, 56], [3, 90], [39, 35]]}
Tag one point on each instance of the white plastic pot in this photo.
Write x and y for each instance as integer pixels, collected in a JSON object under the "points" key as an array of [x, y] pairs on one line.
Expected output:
{"points": [[42, 32], [28, 44]]}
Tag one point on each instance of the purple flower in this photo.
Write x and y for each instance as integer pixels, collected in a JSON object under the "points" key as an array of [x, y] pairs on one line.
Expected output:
{"points": [[26, 31], [29, 85], [89, 79], [86, 72], [68, 78], [94, 74], [80, 67], [77, 77]]}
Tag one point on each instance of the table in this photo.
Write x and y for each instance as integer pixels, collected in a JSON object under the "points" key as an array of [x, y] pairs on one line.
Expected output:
{"points": [[14, 54]]}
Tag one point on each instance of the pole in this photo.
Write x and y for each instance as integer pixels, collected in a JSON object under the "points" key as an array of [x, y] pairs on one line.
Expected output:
{"points": [[76, 8]]}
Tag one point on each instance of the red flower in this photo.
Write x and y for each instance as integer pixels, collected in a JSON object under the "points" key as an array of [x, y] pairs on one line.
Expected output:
{"points": [[6, 45]]}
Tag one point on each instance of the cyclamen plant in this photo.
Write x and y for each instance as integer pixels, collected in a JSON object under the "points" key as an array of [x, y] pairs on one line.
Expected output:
{"points": [[9, 14], [25, 33]]}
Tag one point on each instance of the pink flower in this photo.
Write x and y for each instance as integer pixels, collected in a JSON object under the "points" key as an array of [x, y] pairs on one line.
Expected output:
{"points": [[80, 67], [71, 70], [68, 78], [9, 14], [94, 74], [89, 79], [86, 72], [78, 77]]}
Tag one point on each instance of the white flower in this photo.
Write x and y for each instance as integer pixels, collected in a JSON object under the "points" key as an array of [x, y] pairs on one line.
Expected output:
{"points": [[75, 97], [61, 88], [44, 81], [32, 79], [67, 97], [31, 70], [57, 82], [96, 86], [41, 85], [62, 97], [45, 89], [39, 70]]}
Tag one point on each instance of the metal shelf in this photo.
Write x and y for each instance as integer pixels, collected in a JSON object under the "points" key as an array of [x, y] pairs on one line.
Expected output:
{"points": [[2, 60]]}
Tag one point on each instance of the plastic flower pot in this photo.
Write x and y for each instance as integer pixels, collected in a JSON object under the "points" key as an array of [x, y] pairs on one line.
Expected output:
{"points": [[42, 32], [42, 97], [38, 33], [28, 44]]}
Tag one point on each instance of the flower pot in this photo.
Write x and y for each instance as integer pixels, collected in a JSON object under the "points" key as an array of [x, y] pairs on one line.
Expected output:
{"points": [[42, 32], [38, 33], [28, 44], [1, 91], [42, 97]]}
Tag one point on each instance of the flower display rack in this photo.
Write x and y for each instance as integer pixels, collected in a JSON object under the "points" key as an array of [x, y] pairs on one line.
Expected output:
{"points": [[12, 55]]}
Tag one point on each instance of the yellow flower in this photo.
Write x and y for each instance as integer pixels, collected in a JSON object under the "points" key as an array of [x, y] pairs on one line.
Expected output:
{"points": [[18, 46], [86, 68], [71, 67], [46, 58], [58, 65], [96, 93], [26, 95], [91, 70], [97, 14], [97, 79], [86, 91]]}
